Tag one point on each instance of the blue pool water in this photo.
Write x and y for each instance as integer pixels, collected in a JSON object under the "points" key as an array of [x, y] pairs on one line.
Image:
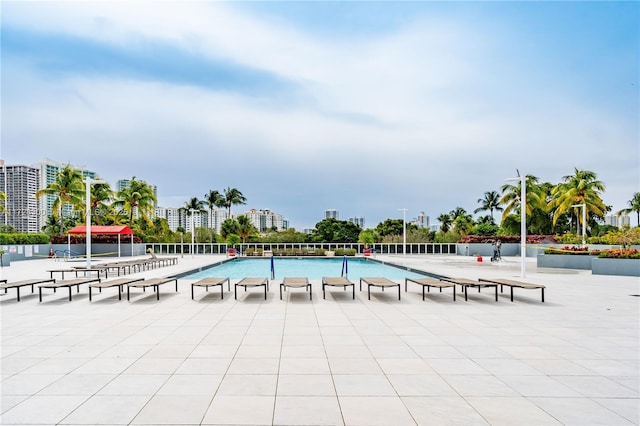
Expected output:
{"points": [[312, 268]]}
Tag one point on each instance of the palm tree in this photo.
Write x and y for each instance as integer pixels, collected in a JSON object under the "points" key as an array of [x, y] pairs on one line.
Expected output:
{"points": [[491, 202], [582, 187], [3, 196], [213, 199], [245, 228], [101, 194], [138, 195], [634, 206], [445, 222], [511, 197], [193, 206], [232, 196], [68, 190]]}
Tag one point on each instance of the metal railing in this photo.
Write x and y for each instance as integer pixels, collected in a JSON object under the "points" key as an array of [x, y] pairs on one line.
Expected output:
{"points": [[387, 248]]}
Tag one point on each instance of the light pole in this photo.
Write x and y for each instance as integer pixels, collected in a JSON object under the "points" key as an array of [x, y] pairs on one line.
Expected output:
{"points": [[523, 222], [404, 234], [584, 221], [87, 183], [193, 230]]}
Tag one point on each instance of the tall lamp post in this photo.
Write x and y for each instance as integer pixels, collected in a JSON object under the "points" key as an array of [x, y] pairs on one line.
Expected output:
{"points": [[584, 221], [404, 234], [523, 222], [193, 230], [87, 183]]}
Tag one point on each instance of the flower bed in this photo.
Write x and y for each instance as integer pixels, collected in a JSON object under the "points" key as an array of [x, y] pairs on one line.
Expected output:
{"points": [[572, 250], [620, 254]]}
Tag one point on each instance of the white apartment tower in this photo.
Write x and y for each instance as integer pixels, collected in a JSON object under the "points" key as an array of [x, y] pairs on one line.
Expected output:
{"points": [[48, 171], [358, 220], [265, 220], [331, 214], [20, 183]]}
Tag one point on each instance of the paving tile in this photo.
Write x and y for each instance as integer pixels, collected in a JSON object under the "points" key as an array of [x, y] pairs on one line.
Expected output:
{"points": [[27, 384], [77, 384], [233, 410], [479, 385], [307, 410], [581, 411], [240, 384], [191, 384], [363, 385], [254, 366], [304, 366], [107, 410], [511, 410], [354, 366], [42, 409], [374, 411], [204, 366], [597, 387], [538, 386], [132, 385], [442, 411], [146, 365], [306, 385], [628, 408], [173, 410], [420, 385]]}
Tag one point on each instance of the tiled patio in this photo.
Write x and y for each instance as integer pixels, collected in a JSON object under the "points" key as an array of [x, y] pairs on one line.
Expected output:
{"points": [[573, 360]]}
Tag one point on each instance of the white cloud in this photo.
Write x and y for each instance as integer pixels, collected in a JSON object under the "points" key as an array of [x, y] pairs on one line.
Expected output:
{"points": [[415, 118]]}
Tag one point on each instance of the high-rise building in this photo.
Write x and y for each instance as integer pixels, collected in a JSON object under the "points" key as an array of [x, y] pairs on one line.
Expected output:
{"points": [[123, 183], [422, 221], [331, 214], [618, 220], [358, 220], [20, 184], [265, 220], [48, 171]]}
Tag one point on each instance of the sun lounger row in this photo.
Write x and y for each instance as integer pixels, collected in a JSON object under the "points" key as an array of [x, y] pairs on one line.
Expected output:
{"points": [[120, 267], [466, 283], [287, 282]]}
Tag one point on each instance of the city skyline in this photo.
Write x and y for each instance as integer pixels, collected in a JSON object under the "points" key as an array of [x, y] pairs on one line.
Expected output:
{"points": [[366, 107]]}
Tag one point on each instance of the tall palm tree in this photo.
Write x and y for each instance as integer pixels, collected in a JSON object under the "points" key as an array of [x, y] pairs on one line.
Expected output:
{"points": [[634, 206], [232, 196], [511, 194], [213, 199], [101, 194], [245, 228], [582, 187], [194, 205], [3, 196], [138, 195], [491, 202], [68, 190], [445, 222]]}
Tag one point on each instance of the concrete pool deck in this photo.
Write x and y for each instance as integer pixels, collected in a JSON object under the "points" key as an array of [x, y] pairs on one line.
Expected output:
{"points": [[572, 360]]}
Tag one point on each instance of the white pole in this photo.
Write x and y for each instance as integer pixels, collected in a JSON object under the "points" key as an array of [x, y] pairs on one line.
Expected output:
{"points": [[88, 219], [523, 225], [404, 234], [523, 222], [584, 221], [118, 246], [193, 231], [584, 224]]}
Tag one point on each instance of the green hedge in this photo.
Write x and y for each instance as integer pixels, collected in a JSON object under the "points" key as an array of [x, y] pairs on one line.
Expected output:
{"points": [[17, 238], [345, 252]]}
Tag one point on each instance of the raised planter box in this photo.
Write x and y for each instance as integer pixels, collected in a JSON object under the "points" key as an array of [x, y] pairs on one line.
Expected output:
{"points": [[565, 261], [626, 267]]}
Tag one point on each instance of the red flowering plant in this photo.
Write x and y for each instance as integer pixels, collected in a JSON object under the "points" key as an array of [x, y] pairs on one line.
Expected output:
{"points": [[575, 250], [620, 254]]}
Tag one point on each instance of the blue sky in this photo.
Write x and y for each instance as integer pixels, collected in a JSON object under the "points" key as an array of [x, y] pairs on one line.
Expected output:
{"points": [[362, 107]]}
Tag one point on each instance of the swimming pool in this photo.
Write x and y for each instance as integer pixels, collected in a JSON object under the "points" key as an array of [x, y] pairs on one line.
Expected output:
{"points": [[312, 268]]}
